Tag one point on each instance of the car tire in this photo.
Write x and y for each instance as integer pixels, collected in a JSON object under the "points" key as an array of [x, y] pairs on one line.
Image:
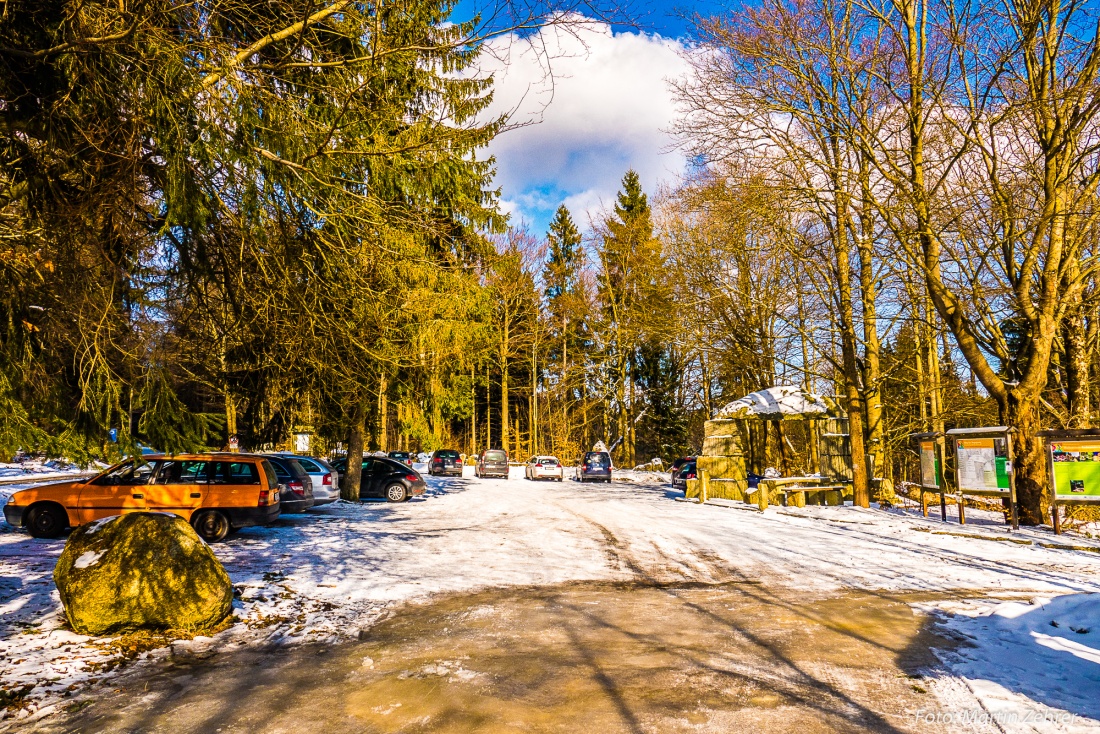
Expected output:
{"points": [[211, 525], [47, 521], [396, 493]]}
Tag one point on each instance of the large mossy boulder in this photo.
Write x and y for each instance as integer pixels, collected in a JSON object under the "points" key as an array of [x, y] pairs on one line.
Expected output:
{"points": [[141, 571]]}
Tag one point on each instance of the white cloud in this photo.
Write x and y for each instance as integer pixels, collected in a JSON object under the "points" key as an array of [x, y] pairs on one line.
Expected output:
{"points": [[591, 104]]}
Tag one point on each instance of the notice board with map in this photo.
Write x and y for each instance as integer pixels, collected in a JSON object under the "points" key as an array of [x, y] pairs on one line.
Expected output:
{"points": [[982, 464], [929, 464]]}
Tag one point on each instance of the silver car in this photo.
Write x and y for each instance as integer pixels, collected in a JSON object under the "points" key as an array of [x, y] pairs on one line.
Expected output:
{"points": [[326, 481]]}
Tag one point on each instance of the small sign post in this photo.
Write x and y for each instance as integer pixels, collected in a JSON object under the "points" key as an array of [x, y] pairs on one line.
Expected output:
{"points": [[983, 466], [1073, 461], [234, 444], [930, 449]]}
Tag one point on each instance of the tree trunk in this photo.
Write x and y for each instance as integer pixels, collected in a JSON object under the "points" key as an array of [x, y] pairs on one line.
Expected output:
{"points": [[631, 458], [230, 420], [383, 415], [505, 429], [1077, 367], [860, 481], [872, 387], [1029, 461], [349, 484]]}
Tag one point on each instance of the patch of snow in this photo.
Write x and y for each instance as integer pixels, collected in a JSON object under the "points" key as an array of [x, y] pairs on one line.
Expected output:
{"points": [[1029, 663], [88, 558], [776, 402], [97, 525]]}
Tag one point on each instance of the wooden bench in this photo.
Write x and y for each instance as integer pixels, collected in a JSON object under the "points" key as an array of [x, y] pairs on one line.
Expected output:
{"points": [[795, 489]]}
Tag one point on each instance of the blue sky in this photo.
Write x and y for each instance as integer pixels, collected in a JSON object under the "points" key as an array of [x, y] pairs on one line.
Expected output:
{"points": [[593, 102]]}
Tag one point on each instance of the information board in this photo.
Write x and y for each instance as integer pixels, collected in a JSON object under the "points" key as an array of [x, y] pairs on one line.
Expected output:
{"points": [[1076, 467], [982, 464], [929, 464]]}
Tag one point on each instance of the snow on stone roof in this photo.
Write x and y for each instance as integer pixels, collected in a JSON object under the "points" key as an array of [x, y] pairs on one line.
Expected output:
{"points": [[777, 403]]}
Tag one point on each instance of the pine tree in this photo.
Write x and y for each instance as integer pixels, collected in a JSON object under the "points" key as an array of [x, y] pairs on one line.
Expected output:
{"points": [[634, 299]]}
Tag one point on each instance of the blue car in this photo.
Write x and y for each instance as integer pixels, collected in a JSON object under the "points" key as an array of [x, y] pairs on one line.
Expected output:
{"points": [[595, 467]]}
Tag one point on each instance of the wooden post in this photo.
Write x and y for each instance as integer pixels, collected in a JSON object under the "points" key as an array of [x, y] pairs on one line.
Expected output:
{"points": [[943, 505], [704, 485], [1011, 483], [923, 502], [1055, 520], [762, 495], [962, 509]]}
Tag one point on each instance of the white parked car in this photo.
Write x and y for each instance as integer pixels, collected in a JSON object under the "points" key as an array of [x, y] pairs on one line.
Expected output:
{"points": [[543, 467], [326, 480]]}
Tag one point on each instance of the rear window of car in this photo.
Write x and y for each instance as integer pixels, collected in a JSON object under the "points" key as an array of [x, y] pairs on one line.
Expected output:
{"points": [[385, 466], [447, 454], [597, 457], [296, 468], [309, 465], [269, 470], [398, 454], [288, 469], [548, 460], [495, 456]]}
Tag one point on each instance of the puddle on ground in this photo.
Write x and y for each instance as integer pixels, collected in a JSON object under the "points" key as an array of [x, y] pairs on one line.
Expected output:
{"points": [[579, 658]]}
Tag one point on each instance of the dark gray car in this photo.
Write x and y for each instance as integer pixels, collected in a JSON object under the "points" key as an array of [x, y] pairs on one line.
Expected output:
{"points": [[445, 462], [595, 467], [492, 463], [295, 486]]}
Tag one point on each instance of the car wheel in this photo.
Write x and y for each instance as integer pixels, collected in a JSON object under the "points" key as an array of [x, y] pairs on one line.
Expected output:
{"points": [[47, 521], [211, 525], [396, 493]]}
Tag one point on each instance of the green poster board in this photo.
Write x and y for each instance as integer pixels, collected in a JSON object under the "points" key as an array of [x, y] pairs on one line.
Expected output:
{"points": [[1076, 468]]}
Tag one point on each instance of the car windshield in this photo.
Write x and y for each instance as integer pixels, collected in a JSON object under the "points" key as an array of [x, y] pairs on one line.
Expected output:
{"points": [[495, 456], [135, 471]]}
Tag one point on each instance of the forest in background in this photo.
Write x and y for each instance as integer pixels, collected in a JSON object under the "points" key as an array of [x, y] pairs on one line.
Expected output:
{"points": [[224, 218]]}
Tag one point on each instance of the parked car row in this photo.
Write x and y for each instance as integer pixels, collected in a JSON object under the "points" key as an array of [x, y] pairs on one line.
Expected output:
{"points": [[218, 493]]}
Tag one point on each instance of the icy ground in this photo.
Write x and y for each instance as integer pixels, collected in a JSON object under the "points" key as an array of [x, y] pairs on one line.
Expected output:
{"points": [[338, 569]]}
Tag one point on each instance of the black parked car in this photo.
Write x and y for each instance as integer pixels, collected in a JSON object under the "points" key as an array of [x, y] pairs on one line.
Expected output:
{"points": [[677, 465], [595, 467], [385, 477], [403, 456], [445, 462], [686, 472], [295, 486]]}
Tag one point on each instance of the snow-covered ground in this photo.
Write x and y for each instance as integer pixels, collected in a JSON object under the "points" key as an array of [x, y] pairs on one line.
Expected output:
{"points": [[340, 568]]}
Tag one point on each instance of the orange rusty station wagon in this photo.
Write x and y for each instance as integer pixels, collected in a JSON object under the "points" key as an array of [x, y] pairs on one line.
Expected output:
{"points": [[216, 493]]}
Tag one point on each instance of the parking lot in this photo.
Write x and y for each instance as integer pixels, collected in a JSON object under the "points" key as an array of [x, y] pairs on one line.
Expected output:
{"points": [[334, 578]]}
